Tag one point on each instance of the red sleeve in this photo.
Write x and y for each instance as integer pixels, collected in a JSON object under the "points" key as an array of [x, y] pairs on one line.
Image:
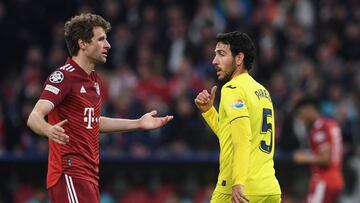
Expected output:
{"points": [[56, 87]]}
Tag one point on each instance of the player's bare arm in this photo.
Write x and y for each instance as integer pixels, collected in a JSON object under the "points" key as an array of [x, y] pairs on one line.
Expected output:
{"points": [[321, 159], [147, 122], [38, 124], [204, 101]]}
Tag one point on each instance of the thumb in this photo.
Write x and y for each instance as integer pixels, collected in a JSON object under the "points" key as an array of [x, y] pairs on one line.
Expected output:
{"points": [[61, 123], [213, 91]]}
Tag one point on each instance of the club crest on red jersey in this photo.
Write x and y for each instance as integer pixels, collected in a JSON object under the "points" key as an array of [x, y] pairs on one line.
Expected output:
{"points": [[56, 77]]}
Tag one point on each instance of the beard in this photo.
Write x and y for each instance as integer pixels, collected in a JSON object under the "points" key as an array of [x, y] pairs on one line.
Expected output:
{"points": [[228, 75]]}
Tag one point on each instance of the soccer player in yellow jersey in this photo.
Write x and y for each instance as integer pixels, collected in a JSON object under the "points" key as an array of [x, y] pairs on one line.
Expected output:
{"points": [[244, 125]]}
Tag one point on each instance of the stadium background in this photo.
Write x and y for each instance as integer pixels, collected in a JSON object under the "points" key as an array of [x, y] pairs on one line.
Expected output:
{"points": [[160, 58]]}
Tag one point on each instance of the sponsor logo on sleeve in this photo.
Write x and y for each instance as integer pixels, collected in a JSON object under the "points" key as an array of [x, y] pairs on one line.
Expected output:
{"points": [[238, 104], [52, 89], [56, 77]]}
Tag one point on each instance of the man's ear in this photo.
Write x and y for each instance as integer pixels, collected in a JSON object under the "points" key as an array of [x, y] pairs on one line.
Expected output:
{"points": [[81, 43], [239, 58]]}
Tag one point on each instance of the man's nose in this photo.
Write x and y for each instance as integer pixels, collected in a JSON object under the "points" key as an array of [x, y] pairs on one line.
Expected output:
{"points": [[107, 45], [215, 61]]}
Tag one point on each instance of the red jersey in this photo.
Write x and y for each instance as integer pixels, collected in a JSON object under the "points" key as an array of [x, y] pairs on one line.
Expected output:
{"points": [[326, 131], [76, 97]]}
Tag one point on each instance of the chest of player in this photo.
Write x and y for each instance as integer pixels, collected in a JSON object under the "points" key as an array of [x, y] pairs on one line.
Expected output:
{"points": [[86, 92]]}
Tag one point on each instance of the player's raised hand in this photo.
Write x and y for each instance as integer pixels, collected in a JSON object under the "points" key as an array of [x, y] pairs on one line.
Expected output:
{"points": [[204, 100], [149, 121], [57, 134]]}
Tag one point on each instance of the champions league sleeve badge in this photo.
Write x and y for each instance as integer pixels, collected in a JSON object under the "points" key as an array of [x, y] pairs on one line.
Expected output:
{"points": [[56, 77]]}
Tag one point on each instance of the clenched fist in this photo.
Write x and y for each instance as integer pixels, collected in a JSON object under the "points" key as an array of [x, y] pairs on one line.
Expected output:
{"points": [[204, 100]]}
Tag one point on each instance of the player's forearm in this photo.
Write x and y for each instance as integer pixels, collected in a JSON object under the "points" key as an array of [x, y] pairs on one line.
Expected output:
{"points": [[211, 118], [118, 125], [37, 123], [305, 157], [321, 160], [241, 134]]}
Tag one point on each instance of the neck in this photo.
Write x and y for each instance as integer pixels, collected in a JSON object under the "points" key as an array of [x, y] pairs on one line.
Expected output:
{"points": [[84, 63], [238, 71]]}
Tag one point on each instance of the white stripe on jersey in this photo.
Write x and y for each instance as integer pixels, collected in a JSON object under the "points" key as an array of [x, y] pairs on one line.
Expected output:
{"points": [[64, 66], [68, 67]]}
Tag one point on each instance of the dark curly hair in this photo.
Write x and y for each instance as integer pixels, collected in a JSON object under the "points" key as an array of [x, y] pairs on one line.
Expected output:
{"points": [[81, 27], [239, 42]]}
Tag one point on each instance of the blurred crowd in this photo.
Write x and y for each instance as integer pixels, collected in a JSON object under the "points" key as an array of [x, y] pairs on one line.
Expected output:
{"points": [[161, 58]]}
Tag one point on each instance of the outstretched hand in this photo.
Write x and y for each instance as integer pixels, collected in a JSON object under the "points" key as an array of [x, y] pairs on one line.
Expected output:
{"points": [[204, 100], [57, 134], [148, 121]]}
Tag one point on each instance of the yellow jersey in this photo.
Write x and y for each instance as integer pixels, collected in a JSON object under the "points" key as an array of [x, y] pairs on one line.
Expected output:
{"points": [[245, 128]]}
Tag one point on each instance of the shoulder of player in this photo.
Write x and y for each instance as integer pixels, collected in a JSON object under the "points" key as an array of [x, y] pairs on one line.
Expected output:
{"points": [[63, 72], [232, 86], [328, 122], [324, 125], [67, 69]]}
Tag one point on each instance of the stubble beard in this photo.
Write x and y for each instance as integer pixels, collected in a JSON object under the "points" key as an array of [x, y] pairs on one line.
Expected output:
{"points": [[227, 77]]}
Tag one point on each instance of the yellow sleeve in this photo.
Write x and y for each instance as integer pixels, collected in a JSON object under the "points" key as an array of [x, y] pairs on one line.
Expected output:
{"points": [[235, 105], [211, 118], [240, 134]]}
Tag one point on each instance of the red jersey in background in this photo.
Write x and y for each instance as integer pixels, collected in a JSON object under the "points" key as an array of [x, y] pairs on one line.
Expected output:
{"points": [[327, 181]]}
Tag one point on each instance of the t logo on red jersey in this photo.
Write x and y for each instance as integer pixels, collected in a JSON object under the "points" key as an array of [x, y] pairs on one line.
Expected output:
{"points": [[89, 117]]}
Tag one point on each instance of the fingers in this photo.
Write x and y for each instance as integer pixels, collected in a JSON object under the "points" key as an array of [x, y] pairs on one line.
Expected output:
{"points": [[239, 197], [153, 113], [240, 200], [203, 97], [60, 135], [169, 118], [236, 197], [200, 101], [245, 198], [61, 123], [166, 119], [59, 139], [57, 133]]}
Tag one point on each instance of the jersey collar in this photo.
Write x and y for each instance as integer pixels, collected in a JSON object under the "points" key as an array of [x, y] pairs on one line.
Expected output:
{"points": [[77, 67]]}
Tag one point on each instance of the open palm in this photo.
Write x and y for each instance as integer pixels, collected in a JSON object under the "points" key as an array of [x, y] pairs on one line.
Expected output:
{"points": [[148, 121]]}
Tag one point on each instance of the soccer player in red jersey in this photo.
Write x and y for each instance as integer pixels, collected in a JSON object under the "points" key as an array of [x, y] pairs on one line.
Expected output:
{"points": [[325, 154], [71, 99]]}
